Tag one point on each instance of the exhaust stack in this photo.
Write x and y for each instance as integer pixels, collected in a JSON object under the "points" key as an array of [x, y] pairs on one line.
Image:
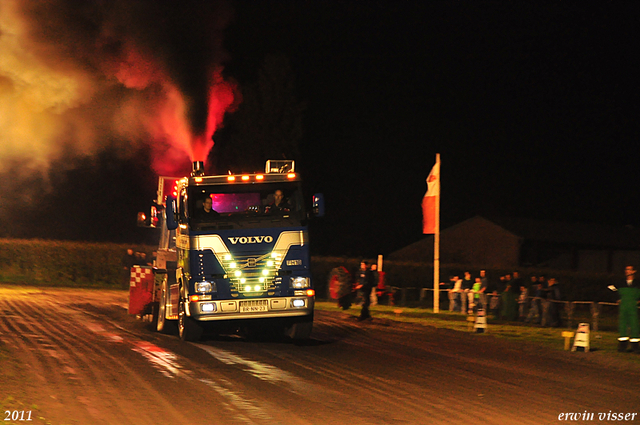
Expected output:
{"points": [[197, 169]]}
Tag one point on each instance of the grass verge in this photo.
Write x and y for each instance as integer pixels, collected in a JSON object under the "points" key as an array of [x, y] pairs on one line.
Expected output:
{"points": [[602, 342]]}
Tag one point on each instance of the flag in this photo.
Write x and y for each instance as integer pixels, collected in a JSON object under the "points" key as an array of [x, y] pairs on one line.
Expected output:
{"points": [[430, 201]]}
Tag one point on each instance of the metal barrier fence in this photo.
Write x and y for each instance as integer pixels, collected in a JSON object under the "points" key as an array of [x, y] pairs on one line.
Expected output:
{"points": [[572, 312]]}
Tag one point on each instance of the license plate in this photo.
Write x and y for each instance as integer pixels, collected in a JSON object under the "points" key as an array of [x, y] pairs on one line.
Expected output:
{"points": [[253, 306]]}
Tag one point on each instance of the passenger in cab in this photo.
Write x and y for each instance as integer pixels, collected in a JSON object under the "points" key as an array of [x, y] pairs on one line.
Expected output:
{"points": [[279, 204]]}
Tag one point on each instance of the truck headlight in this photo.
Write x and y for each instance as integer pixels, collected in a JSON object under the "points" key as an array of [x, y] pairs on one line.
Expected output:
{"points": [[299, 282], [208, 308], [204, 287], [298, 303]]}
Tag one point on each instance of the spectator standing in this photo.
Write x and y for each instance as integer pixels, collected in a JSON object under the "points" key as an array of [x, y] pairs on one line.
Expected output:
{"points": [[376, 280], [507, 282], [516, 283], [523, 299], [484, 288], [126, 262], [552, 312], [509, 307], [534, 311], [501, 284], [365, 284], [476, 295], [467, 294], [544, 303], [629, 292], [542, 281], [494, 305], [455, 294]]}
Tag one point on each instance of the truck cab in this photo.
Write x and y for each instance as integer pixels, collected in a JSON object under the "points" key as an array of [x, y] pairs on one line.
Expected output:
{"points": [[234, 253]]}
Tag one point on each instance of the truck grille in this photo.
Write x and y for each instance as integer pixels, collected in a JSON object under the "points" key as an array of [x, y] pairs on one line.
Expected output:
{"points": [[253, 273]]}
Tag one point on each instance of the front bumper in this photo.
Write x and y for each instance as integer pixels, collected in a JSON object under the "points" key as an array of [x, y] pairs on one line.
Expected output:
{"points": [[256, 308]]}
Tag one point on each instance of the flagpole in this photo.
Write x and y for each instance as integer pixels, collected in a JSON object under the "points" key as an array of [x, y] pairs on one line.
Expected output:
{"points": [[436, 249]]}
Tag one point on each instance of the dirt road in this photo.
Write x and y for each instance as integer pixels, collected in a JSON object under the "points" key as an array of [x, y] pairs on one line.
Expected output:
{"points": [[76, 357]]}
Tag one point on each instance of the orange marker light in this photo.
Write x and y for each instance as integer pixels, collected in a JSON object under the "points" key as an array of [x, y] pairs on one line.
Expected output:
{"points": [[198, 179], [310, 292], [231, 178], [193, 298], [291, 175], [259, 177], [245, 178]]}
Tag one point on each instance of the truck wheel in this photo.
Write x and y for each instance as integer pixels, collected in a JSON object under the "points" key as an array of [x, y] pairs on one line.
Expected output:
{"points": [[300, 331], [163, 325], [188, 329]]}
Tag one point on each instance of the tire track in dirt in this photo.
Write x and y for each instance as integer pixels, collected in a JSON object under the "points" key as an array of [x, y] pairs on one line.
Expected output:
{"points": [[51, 366], [356, 385], [98, 384], [80, 390], [422, 400], [241, 402], [359, 373], [560, 378], [244, 403], [498, 370]]}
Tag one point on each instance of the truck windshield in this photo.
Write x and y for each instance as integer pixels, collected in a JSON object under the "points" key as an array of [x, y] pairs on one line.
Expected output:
{"points": [[250, 204]]}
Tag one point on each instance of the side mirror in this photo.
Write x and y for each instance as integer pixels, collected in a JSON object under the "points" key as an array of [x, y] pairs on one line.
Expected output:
{"points": [[172, 223], [318, 205]]}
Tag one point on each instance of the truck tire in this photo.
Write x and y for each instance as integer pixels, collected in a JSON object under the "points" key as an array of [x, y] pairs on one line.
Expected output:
{"points": [[162, 324], [300, 331], [188, 329]]}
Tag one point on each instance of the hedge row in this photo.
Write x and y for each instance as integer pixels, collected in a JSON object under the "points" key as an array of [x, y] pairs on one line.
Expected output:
{"points": [[62, 262], [79, 263]]}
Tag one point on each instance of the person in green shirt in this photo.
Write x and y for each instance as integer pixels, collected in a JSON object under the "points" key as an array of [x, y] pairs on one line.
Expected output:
{"points": [[477, 304], [628, 326]]}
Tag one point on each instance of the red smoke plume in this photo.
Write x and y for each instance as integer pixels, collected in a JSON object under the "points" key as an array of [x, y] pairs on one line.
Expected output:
{"points": [[221, 99], [171, 122]]}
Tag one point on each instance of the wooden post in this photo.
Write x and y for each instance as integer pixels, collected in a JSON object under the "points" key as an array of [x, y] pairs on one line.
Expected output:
{"points": [[595, 315], [569, 309], [436, 248]]}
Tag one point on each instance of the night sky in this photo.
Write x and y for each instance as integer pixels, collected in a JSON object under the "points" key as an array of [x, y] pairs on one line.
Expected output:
{"points": [[532, 106]]}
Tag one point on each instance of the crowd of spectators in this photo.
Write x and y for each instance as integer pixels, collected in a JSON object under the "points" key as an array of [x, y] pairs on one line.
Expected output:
{"points": [[512, 298]]}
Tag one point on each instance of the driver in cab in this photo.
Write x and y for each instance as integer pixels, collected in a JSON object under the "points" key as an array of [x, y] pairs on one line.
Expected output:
{"points": [[279, 204], [207, 210]]}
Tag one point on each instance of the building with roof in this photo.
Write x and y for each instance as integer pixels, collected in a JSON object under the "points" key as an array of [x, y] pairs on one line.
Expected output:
{"points": [[516, 242]]}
